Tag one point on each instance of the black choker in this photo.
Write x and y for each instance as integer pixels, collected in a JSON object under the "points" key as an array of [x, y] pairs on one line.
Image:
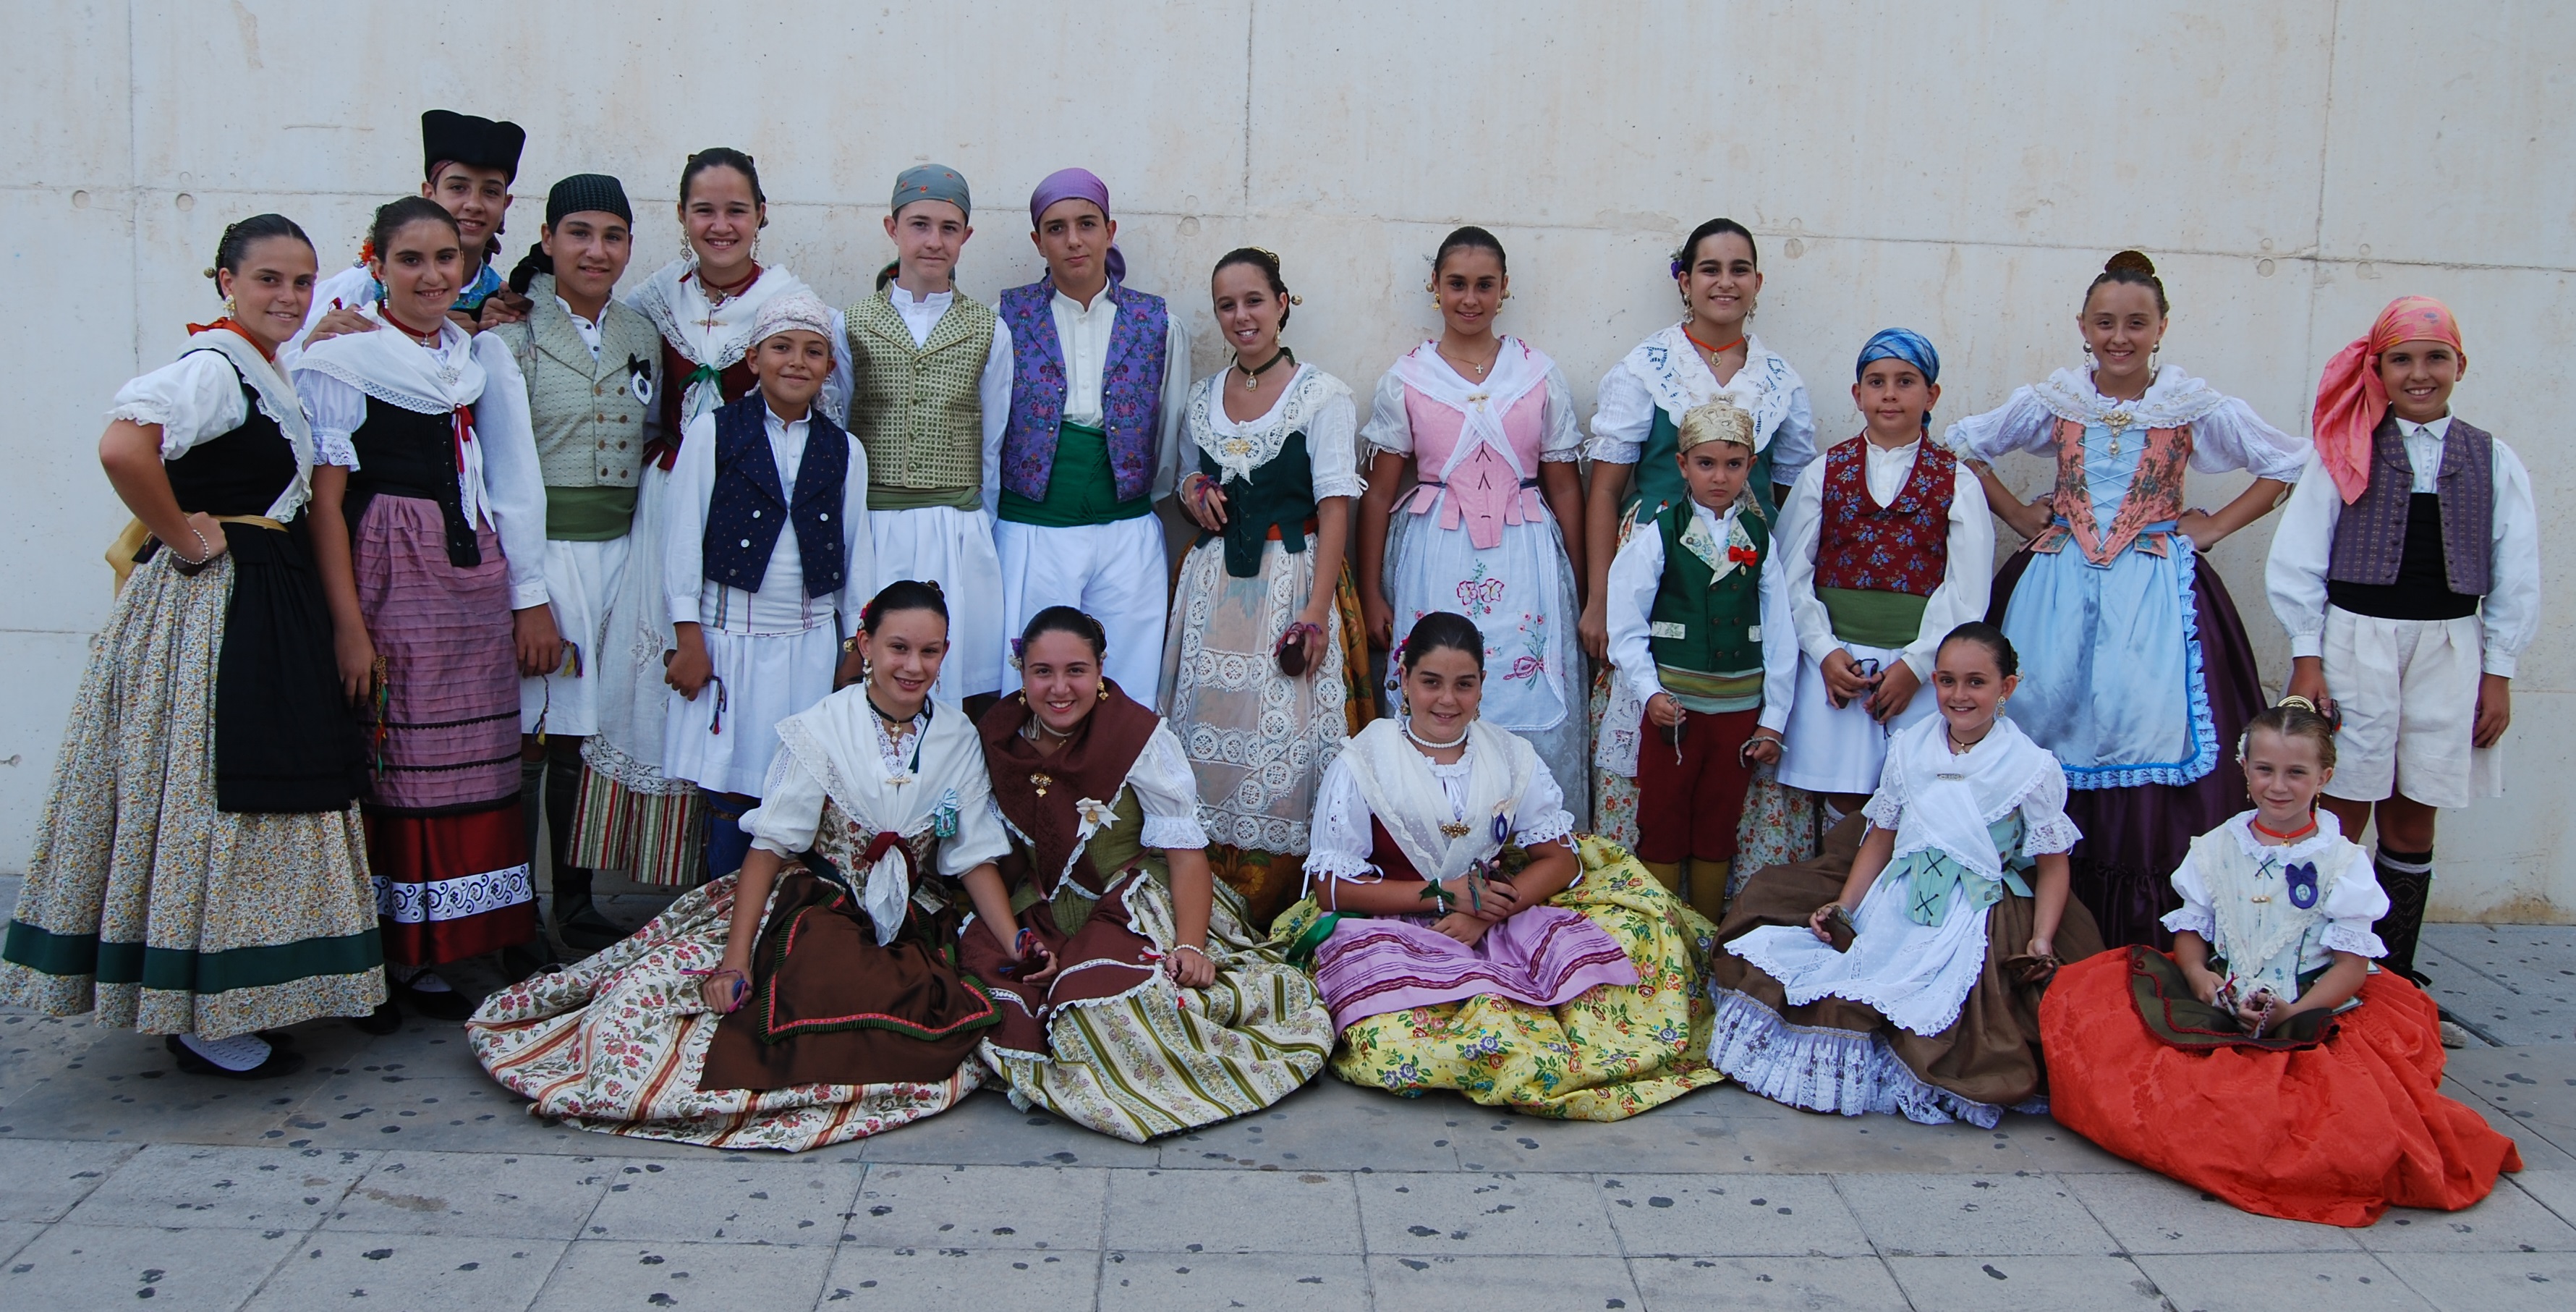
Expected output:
{"points": [[1252, 377]]}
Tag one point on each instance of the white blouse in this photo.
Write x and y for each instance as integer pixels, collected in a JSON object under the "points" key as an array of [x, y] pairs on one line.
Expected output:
{"points": [[2343, 917], [1168, 792], [1963, 590], [195, 399], [2303, 551], [791, 809], [1342, 842], [1390, 430], [1623, 412], [1313, 402], [2226, 434], [780, 606]]}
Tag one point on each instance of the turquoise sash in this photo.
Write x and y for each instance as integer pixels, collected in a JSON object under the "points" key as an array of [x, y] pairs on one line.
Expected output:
{"points": [[1938, 879]]}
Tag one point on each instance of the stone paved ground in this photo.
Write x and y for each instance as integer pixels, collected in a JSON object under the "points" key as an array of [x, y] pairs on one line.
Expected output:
{"points": [[391, 1174]]}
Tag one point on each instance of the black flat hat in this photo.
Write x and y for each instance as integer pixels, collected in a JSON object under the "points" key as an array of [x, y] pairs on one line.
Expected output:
{"points": [[475, 142]]}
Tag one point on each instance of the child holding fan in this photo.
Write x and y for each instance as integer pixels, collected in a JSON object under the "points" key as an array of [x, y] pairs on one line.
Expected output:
{"points": [[2408, 577], [1884, 547], [1700, 633], [2264, 1061]]}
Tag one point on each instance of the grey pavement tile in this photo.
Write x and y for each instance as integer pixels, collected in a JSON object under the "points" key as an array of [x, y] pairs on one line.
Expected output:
{"points": [[1501, 1284], [2151, 1214], [979, 1207], [429, 1193], [2555, 1190], [418, 1273], [1767, 1284], [2024, 1284], [77, 1266], [41, 1180], [1135, 1281], [596, 1275], [2536, 1086], [1935, 1215], [1333, 1126], [1484, 1215], [2506, 1221], [125, 1086], [1733, 1215], [2270, 1282], [2515, 982], [2498, 1282], [34, 1050], [1232, 1212], [741, 1199], [15, 1235], [2538, 1153], [381, 1111], [985, 1130], [283, 1189], [909, 1277]]}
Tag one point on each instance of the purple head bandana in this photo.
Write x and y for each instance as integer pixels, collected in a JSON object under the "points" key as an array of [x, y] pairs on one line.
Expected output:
{"points": [[1076, 184]]}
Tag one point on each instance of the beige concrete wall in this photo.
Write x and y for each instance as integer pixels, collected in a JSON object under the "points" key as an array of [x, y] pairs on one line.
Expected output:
{"points": [[1961, 169]]}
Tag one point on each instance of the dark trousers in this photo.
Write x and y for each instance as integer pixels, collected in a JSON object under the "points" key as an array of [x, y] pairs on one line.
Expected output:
{"points": [[1689, 801]]}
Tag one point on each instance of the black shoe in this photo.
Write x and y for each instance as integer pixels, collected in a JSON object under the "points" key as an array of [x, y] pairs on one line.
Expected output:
{"points": [[385, 1019], [524, 961], [280, 1062], [278, 1039], [447, 1006], [583, 929]]}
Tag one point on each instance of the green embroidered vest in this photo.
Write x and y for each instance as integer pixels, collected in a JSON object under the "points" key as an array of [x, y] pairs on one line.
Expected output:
{"points": [[918, 410], [1706, 630], [1279, 494]]}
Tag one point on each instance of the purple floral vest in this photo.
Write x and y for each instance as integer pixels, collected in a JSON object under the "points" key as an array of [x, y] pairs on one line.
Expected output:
{"points": [[2370, 536], [1131, 388]]}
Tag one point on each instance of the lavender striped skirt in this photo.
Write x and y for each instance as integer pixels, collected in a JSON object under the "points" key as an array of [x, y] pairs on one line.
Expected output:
{"points": [[448, 737], [1546, 956]]}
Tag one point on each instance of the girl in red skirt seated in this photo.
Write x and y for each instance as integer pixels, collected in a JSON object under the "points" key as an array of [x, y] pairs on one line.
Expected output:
{"points": [[2267, 1061]]}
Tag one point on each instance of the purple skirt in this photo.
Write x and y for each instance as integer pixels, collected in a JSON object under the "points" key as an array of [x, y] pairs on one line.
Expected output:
{"points": [[447, 740], [2134, 837], [1544, 956]]}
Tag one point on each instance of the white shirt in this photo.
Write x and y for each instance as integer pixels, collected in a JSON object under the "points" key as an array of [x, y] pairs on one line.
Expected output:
{"points": [[195, 399], [992, 389], [1638, 570], [2303, 550], [1964, 588], [588, 328], [1342, 845], [780, 606], [1083, 333]]}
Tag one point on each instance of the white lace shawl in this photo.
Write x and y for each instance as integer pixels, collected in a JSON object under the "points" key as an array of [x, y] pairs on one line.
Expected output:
{"points": [[1935, 800]]}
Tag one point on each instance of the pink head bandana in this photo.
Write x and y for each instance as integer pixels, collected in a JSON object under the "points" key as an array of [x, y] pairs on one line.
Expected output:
{"points": [[2350, 397]]}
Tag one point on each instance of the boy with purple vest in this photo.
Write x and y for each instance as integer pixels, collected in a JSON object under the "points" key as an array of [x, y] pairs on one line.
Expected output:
{"points": [[2409, 580], [767, 560], [1100, 376]]}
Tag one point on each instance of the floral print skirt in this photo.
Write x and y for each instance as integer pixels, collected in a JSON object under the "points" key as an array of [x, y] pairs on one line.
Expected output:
{"points": [[1605, 1056], [145, 903]]}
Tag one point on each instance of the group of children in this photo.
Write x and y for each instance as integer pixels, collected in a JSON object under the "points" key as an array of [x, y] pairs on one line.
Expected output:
{"points": [[404, 507]]}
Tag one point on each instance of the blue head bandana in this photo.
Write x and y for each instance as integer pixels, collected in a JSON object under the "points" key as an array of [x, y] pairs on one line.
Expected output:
{"points": [[1902, 344]]}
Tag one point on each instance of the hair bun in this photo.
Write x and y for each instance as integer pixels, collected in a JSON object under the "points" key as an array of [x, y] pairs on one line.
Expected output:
{"points": [[2130, 260]]}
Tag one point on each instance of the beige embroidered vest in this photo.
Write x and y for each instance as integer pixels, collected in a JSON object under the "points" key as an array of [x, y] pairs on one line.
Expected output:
{"points": [[589, 423], [917, 409]]}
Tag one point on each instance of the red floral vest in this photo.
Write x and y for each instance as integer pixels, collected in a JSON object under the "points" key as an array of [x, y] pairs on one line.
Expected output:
{"points": [[1903, 546]]}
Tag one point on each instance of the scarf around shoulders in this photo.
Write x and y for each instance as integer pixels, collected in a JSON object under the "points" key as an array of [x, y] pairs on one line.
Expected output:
{"points": [[1055, 803], [1406, 797]]}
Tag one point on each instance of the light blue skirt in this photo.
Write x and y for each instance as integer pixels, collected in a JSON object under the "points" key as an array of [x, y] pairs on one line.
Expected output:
{"points": [[2111, 675]]}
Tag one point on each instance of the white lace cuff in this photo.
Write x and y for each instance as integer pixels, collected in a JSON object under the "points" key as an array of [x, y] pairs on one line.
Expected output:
{"points": [[2052, 835], [1884, 809], [143, 410], [1352, 486], [1552, 829], [1614, 450], [1166, 832], [2192, 918], [1352, 867], [332, 446], [1566, 456], [2351, 936]]}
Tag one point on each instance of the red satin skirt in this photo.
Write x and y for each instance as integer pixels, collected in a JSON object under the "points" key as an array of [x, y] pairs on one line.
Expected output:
{"points": [[2337, 1133]]}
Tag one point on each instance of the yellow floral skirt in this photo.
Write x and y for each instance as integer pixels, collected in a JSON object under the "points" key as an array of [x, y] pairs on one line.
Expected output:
{"points": [[1606, 1056]]}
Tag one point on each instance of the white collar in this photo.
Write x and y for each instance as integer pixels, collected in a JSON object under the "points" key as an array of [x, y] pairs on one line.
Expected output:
{"points": [[1950, 799], [1078, 309], [2439, 430], [895, 293], [575, 315], [2173, 400], [390, 365], [1241, 446], [1674, 373]]}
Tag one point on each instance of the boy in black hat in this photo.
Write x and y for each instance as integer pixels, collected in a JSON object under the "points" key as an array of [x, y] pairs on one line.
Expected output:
{"points": [[467, 165]]}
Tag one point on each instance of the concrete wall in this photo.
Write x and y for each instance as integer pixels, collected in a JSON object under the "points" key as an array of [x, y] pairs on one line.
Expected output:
{"points": [[1959, 169]]}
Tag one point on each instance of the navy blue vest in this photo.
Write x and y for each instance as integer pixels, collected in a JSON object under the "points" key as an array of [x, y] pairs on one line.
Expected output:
{"points": [[745, 512]]}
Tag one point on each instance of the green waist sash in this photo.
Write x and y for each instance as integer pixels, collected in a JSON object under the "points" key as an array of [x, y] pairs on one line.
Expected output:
{"points": [[1081, 488], [1712, 694], [1891, 620], [916, 498], [589, 514]]}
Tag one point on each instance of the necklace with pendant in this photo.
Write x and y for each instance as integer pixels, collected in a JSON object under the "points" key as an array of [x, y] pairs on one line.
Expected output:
{"points": [[1252, 377]]}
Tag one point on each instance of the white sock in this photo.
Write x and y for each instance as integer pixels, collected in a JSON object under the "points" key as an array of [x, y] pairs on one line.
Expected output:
{"points": [[1833, 814], [240, 1053], [420, 979]]}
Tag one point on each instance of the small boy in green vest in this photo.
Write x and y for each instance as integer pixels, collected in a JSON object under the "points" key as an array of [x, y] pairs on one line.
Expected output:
{"points": [[1700, 630]]}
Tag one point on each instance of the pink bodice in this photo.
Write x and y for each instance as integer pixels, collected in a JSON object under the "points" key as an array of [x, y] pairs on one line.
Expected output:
{"points": [[1484, 492]]}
